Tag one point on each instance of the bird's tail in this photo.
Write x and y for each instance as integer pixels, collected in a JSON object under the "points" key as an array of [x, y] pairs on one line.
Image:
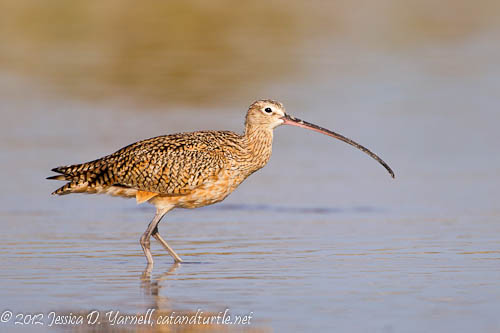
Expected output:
{"points": [[91, 177]]}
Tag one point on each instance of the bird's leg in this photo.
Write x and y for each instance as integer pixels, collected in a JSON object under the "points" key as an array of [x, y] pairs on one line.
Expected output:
{"points": [[149, 231], [156, 234]]}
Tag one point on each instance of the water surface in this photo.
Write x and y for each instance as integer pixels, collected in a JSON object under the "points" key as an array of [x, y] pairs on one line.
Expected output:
{"points": [[321, 238]]}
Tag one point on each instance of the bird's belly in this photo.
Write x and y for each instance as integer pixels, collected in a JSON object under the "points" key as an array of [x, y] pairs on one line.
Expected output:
{"points": [[209, 193]]}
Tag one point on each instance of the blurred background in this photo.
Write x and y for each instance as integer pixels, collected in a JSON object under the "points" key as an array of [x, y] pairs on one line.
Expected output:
{"points": [[321, 237]]}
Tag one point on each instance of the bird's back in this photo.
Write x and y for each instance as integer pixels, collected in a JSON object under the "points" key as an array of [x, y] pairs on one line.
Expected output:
{"points": [[169, 165]]}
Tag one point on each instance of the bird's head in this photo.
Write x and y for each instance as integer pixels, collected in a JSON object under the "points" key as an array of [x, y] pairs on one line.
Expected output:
{"points": [[265, 114], [268, 114]]}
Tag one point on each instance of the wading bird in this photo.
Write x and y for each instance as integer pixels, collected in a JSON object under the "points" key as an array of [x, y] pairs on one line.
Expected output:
{"points": [[187, 170]]}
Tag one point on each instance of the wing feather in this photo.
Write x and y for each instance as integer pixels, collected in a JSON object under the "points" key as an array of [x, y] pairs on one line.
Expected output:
{"points": [[173, 164]]}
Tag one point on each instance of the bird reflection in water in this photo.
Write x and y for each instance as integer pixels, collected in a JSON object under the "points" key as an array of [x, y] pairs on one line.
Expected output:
{"points": [[152, 287]]}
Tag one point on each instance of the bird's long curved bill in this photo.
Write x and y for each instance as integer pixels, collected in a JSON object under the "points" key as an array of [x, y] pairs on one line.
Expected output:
{"points": [[289, 120]]}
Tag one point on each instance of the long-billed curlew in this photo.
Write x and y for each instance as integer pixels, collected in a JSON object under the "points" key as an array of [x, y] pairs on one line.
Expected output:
{"points": [[187, 170]]}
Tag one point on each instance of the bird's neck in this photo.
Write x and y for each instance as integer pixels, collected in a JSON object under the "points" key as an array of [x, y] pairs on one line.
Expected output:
{"points": [[259, 143]]}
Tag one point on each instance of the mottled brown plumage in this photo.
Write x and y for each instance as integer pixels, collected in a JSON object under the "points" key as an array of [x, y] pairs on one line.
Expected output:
{"points": [[174, 165], [186, 170], [171, 165]]}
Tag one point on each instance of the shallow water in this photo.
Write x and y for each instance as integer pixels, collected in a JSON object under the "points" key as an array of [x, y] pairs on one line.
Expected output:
{"points": [[321, 238]]}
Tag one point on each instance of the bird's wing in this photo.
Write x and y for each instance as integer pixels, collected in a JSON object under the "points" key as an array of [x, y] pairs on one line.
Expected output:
{"points": [[173, 165]]}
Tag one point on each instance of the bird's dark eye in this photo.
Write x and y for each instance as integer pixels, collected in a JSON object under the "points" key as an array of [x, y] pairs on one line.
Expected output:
{"points": [[268, 110]]}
